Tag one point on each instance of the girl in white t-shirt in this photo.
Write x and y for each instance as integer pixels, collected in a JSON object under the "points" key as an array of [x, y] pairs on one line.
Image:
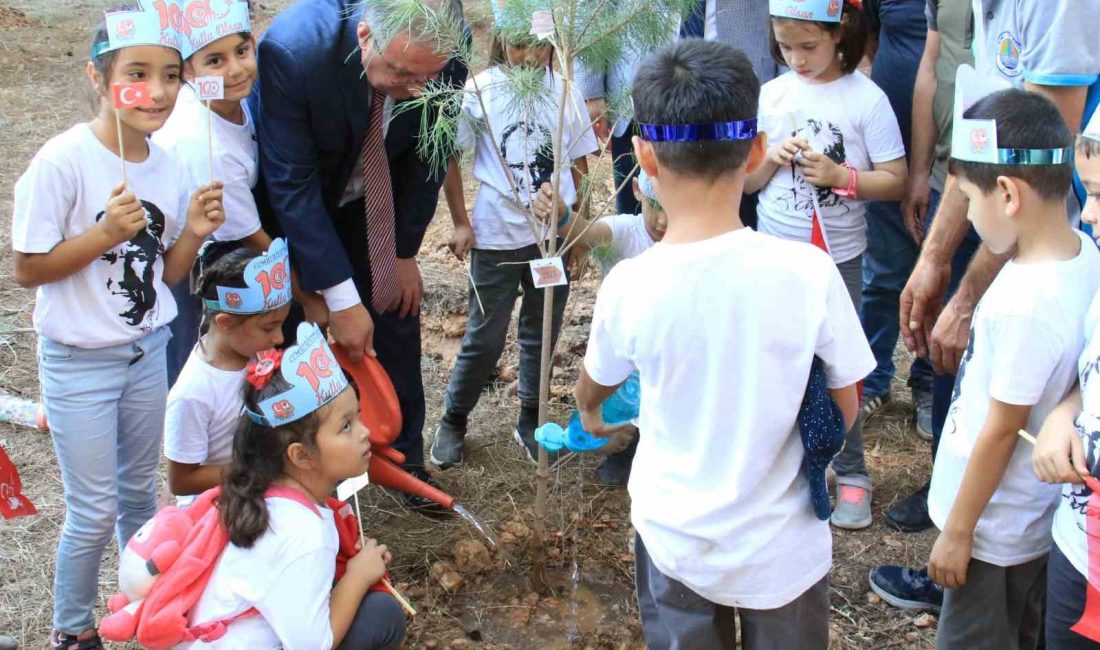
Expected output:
{"points": [[99, 252], [205, 404], [302, 433], [514, 139], [1068, 451], [837, 144]]}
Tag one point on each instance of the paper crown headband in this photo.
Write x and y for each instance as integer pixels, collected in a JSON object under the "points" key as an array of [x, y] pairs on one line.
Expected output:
{"points": [[205, 21], [151, 23], [267, 284], [309, 369], [1092, 131], [975, 140], [823, 11], [645, 184], [717, 132]]}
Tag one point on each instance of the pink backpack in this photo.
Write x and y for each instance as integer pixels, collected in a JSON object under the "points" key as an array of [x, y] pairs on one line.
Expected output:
{"points": [[167, 564]]}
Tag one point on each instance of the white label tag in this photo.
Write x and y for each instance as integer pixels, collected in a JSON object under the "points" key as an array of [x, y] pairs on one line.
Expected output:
{"points": [[210, 88], [348, 488], [548, 272]]}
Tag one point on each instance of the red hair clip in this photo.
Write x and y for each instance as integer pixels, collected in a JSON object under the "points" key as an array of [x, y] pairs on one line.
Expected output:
{"points": [[858, 4], [261, 369]]}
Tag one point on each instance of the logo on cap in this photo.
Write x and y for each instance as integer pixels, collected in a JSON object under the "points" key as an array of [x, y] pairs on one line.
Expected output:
{"points": [[283, 409], [233, 299], [125, 29], [834, 8], [979, 140]]}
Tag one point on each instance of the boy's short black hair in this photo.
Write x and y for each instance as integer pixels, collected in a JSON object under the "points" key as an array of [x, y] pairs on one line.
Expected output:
{"points": [[1025, 120], [697, 82]]}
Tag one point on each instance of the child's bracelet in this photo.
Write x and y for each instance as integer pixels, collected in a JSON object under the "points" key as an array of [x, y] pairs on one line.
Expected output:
{"points": [[852, 190], [565, 220]]}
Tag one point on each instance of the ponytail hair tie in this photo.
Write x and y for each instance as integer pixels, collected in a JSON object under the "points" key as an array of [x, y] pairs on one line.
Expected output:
{"points": [[261, 369]]}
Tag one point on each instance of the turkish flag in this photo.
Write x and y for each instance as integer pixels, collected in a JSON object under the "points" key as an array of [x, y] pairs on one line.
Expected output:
{"points": [[131, 95], [12, 502], [817, 230]]}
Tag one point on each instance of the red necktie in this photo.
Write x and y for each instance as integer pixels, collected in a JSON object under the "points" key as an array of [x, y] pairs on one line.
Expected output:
{"points": [[378, 199]]}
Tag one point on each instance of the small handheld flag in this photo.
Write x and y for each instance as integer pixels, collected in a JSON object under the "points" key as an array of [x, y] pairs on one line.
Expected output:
{"points": [[131, 95], [128, 95], [208, 90]]}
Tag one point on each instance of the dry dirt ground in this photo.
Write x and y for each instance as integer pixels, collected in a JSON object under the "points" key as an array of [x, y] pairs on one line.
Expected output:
{"points": [[42, 54]]}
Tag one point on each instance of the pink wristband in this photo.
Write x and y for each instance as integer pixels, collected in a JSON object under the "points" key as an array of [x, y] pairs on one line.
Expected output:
{"points": [[852, 190]]}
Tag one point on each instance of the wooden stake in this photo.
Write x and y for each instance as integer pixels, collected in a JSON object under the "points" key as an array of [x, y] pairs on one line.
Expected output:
{"points": [[121, 150], [405, 605], [210, 138], [473, 285], [1027, 436]]}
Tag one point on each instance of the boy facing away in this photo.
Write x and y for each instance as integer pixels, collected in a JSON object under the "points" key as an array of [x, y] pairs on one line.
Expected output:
{"points": [[720, 503], [1012, 158]]}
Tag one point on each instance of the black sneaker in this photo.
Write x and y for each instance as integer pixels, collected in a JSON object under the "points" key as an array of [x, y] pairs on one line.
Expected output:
{"points": [[910, 515], [59, 641], [447, 447], [614, 471], [524, 434], [906, 588], [423, 505]]}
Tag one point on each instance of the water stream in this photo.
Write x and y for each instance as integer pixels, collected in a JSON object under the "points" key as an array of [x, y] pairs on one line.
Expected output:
{"points": [[478, 524]]}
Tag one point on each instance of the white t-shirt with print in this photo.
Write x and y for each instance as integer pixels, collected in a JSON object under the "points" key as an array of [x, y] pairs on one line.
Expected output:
{"points": [[121, 296], [287, 575], [1025, 340], [722, 333], [1075, 508], [526, 143], [236, 157], [204, 411], [848, 119]]}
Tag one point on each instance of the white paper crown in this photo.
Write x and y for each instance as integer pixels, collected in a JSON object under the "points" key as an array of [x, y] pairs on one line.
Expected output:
{"points": [[205, 21], [313, 374], [1092, 131], [975, 140], [151, 23], [824, 11]]}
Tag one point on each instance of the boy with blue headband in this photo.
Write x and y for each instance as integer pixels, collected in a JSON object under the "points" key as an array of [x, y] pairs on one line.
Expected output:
{"points": [[1012, 156], [725, 528]]}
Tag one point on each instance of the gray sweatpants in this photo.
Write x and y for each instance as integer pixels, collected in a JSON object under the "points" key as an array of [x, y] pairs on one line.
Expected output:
{"points": [[999, 608], [676, 618], [850, 465]]}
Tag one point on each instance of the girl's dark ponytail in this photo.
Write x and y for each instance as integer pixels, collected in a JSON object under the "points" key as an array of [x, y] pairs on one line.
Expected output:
{"points": [[259, 459]]}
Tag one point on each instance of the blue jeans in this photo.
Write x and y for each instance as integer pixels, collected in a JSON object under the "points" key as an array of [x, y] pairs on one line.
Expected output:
{"points": [[106, 413], [499, 279], [891, 254], [378, 625], [850, 464], [622, 156]]}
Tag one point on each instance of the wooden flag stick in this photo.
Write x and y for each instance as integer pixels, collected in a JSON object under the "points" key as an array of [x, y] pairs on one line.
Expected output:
{"points": [[121, 150], [210, 138], [470, 273], [1026, 436], [405, 605]]}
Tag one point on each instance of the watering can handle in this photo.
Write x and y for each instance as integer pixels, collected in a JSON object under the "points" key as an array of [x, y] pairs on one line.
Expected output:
{"points": [[379, 408]]}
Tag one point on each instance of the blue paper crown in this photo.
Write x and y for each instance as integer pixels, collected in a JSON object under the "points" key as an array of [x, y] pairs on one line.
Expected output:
{"points": [[152, 23], [975, 140], [205, 21], [645, 184], [314, 376], [267, 285], [717, 132], [823, 11]]}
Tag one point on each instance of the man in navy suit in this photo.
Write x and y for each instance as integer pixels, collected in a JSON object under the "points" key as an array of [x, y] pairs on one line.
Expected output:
{"points": [[327, 88]]}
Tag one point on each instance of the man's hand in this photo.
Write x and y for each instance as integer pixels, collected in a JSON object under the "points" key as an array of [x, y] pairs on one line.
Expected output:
{"points": [[353, 330], [950, 559], [462, 240], [410, 288], [921, 302], [597, 113], [914, 207], [950, 336], [592, 422]]}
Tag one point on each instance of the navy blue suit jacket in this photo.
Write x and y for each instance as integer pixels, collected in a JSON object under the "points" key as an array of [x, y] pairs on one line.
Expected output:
{"points": [[311, 106]]}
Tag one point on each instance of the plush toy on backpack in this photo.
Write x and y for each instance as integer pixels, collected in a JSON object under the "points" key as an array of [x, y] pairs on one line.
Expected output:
{"points": [[155, 547]]}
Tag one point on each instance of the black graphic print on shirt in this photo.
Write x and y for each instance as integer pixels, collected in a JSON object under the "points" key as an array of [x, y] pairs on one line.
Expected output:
{"points": [[957, 390], [1089, 431], [827, 138], [528, 150], [135, 280]]}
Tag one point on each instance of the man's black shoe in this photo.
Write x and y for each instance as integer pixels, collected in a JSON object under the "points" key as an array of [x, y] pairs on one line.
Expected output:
{"points": [[910, 515]]}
